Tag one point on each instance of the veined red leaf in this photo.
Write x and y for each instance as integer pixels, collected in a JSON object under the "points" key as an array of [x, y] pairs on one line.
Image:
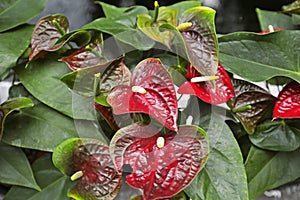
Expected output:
{"points": [[250, 104], [200, 39], [89, 161], [162, 166], [46, 33], [222, 92], [288, 104], [87, 56], [152, 92]]}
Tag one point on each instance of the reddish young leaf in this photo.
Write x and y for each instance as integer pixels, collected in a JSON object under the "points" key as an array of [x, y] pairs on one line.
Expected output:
{"points": [[46, 33], [152, 92], [90, 158], [288, 104], [162, 166], [250, 104], [270, 30], [87, 56], [222, 93]]}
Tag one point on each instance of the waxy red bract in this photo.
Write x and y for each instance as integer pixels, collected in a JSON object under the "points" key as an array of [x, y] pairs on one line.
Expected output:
{"points": [[288, 104], [222, 92], [160, 172], [159, 101]]}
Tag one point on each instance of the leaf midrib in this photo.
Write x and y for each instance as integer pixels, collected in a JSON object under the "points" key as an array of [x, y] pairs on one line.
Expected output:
{"points": [[10, 8]]}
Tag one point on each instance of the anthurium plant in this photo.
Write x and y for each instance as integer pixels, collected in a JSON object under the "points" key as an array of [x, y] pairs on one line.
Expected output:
{"points": [[149, 99]]}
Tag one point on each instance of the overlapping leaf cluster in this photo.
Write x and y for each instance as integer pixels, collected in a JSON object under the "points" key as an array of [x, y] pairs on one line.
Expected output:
{"points": [[96, 100]]}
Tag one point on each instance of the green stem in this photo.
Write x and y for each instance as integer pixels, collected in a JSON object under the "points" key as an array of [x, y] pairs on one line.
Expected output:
{"points": [[97, 84], [96, 53], [156, 9], [241, 109]]}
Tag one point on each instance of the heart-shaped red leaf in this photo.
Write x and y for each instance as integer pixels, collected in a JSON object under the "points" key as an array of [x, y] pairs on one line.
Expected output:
{"points": [[87, 56], [162, 166], [91, 159], [288, 105], [152, 92], [222, 92], [46, 33]]}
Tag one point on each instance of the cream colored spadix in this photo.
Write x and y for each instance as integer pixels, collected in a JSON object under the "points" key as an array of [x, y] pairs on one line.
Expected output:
{"points": [[76, 176], [138, 89], [204, 78], [160, 142], [271, 28]]}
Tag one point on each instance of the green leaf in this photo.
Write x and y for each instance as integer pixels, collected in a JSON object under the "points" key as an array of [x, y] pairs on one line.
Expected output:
{"points": [[276, 19], [11, 105], [14, 13], [54, 185], [200, 39], [15, 168], [293, 7], [224, 170], [261, 57], [151, 28], [43, 128], [111, 11], [269, 169], [121, 32], [276, 136], [47, 87], [13, 44], [80, 37], [184, 5]]}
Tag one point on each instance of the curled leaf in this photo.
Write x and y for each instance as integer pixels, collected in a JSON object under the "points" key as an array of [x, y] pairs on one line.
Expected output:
{"points": [[152, 92], [160, 170], [150, 26], [288, 104], [46, 33], [222, 92], [250, 104], [200, 39], [89, 161]]}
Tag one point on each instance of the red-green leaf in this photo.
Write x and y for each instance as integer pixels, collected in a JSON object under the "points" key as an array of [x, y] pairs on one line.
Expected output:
{"points": [[222, 92], [162, 166], [87, 56], [152, 92], [201, 40], [98, 177], [288, 104], [46, 33], [250, 104]]}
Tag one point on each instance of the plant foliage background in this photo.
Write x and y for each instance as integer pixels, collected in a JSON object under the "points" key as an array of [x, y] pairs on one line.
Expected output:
{"points": [[251, 150]]}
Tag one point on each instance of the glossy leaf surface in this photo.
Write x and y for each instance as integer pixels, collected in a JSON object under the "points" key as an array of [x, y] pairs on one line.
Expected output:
{"points": [[159, 100], [288, 104], [258, 100], [47, 87], [151, 28], [222, 92], [15, 13], [39, 128], [201, 40], [269, 169], [276, 19], [100, 180], [182, 6], [224, 176], [160, 171], [15, 168], [277, 136], [11, 105], [246, 54], [52, 182], [46, 34], [18, 38]]}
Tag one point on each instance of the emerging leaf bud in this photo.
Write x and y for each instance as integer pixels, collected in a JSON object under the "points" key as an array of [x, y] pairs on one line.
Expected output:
{"points": [[204, 78], [76, 176], [138, 89], [160, 142]]}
